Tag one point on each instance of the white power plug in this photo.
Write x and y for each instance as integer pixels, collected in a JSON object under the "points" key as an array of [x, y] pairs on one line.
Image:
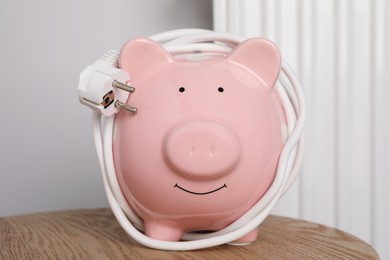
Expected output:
{"points": [[102, 86]]}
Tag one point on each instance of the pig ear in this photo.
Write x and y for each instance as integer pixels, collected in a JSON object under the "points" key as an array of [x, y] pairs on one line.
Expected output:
{"points": [[141, 55], [260, 56]]}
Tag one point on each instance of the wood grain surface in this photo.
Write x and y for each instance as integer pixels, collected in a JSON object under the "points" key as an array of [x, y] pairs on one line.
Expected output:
{"points": [[95, 234]]}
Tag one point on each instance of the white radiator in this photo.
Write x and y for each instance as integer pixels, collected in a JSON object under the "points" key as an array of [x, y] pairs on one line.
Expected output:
{"points": [[340, 50]]}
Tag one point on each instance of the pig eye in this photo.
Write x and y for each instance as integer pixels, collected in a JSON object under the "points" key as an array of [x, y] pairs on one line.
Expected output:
{"points": [[220, 89], [182, 89]]}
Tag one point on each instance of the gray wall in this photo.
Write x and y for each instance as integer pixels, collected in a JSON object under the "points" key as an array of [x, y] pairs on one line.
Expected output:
{"points": [[47, 157]]}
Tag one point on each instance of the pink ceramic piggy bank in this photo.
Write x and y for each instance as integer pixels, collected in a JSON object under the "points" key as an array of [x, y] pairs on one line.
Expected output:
{"points": [[204, 145]]}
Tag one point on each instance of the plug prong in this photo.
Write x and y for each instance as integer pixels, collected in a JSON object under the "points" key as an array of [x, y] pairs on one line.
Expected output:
{"points": [[125, 107], [123, 86]]}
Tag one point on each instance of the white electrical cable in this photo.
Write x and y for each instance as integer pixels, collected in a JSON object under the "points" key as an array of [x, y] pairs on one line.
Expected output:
{"points": [[290, 93]]}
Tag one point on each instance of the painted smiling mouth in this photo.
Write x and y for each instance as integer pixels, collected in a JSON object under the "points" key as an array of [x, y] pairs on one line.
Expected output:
{"points": [[200, 193]]}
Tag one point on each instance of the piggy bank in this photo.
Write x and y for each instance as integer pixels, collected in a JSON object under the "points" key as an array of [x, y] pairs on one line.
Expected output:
{"points": [[204, 145]]}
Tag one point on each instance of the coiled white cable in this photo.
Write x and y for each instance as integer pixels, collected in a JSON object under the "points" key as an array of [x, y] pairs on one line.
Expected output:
{"points": [[290, 93]]}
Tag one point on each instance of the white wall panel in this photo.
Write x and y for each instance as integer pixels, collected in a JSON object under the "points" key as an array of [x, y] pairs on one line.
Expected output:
{"points": [[380, 14], [319, 167], [340, 50], [354, 98]]}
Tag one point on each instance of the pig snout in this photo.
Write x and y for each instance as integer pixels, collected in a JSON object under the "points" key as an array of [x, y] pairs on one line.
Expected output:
{"points": [[201, 149]]}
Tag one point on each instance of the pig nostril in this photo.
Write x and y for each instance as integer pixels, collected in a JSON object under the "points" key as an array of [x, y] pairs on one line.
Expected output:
{"points": [[193, 150], [212, 150]]}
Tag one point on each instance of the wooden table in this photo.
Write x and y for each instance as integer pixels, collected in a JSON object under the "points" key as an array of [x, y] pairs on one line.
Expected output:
{"points": [[95, 234]]}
